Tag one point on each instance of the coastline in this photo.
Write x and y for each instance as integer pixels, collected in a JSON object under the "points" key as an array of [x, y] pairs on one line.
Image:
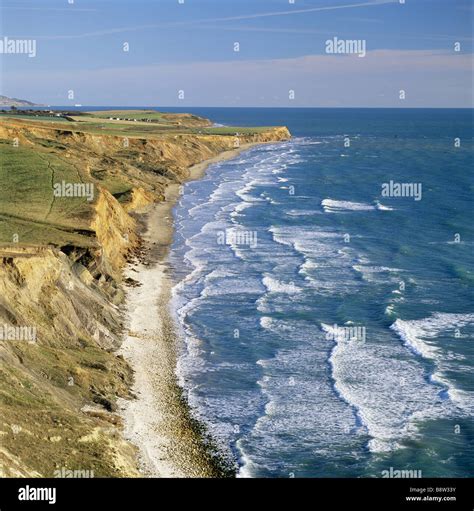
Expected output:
{"points": [[158, 422]]}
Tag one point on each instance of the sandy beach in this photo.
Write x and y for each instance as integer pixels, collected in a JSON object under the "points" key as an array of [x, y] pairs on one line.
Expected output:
{"points": [[170, 443]]}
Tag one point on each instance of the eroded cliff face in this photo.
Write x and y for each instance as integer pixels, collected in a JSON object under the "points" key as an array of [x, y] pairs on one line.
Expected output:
{"points": [[148, 162], [59, 383], [59, 386], [114, 230]]}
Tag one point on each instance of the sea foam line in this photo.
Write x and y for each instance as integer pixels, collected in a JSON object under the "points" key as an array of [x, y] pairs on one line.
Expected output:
{"points": [[386, 388], [344, 206], [415, 335]]}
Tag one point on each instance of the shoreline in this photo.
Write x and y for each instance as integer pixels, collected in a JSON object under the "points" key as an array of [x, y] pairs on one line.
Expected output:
{"points": [[158, 422]]}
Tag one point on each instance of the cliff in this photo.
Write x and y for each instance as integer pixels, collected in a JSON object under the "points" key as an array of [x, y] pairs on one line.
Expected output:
{"points": [[61, 262]]}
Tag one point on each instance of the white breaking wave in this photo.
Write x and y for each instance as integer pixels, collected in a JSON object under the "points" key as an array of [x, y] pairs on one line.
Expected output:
{"points": [[241, 206], [265, 322], [381, 207], [326, 267], [417, 334], [386, 387], [338, 206], [299, 212], [243, 192], [276, 286], [377, 274], [280, 236], [300, 402]]}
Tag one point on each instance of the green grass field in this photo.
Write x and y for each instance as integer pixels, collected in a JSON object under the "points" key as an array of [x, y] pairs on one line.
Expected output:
{"points": [[99, 123], [40, 118], [29, 212], [131, 114]]}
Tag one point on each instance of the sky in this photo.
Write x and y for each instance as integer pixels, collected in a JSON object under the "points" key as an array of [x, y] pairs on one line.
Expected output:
{"points": [[183, 52]]}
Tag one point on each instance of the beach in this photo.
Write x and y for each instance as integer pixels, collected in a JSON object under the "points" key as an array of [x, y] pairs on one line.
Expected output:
{"points": [[158, 422]]}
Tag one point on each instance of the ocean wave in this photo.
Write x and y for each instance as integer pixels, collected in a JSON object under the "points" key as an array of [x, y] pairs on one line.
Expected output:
{"points": [[377, 274], [265, 322], [419, 336], [412, 332], [326, 260], [380, 383], [238, 208], [279, 326], [277, 286], [305, 240], [301, 212], [382, 207], [339, 206], [222, 194], [300, 402], [244, 194]]}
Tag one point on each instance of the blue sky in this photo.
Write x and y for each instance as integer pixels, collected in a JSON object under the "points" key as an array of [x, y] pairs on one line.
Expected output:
{"points": [[190, 47]]}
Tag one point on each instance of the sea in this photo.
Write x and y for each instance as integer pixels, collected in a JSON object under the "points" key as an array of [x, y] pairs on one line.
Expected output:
{"points": [[324, 294]]}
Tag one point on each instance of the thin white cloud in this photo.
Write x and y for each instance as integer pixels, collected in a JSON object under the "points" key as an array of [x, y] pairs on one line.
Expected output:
{"points": [[279, 30], [120, 30], [49, 9], [298, 11]]}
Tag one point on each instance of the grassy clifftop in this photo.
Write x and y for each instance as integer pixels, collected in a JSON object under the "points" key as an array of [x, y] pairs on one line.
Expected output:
{"points": [[68, 189]]}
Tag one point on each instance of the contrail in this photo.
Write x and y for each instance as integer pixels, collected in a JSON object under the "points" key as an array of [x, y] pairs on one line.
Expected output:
{"points": [[230, 18], [297, 11]]}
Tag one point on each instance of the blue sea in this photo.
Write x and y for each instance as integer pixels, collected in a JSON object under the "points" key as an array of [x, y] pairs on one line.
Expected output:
{"points": [[327, 320]]}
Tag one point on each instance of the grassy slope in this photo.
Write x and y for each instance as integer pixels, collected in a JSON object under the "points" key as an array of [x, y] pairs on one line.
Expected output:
{"points": [[28, 207], [134, 114]]}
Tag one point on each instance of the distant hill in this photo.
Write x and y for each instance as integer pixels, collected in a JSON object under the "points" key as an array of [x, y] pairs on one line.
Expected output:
{"points": [[5, 101]]}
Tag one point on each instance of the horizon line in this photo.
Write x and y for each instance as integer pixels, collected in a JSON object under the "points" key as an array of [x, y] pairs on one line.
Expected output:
{"points": [[127, 107]]}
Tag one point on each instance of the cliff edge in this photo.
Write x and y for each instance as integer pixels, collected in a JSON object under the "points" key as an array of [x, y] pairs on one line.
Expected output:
{"points": [[67, 228]]}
